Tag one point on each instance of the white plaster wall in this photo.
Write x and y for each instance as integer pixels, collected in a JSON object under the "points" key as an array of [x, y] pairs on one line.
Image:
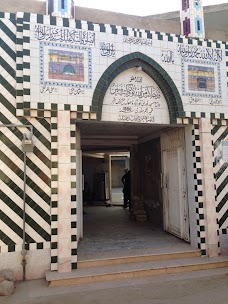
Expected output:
{"points": [[38, 262], [134, 97]]}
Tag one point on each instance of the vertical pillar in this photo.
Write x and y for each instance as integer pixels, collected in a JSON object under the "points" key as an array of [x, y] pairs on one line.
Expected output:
{"points": [[60, 8], [192, 18], [106, 169], [209, 192], [110, 176], [74, 241], [138, 208], [64, 192]]}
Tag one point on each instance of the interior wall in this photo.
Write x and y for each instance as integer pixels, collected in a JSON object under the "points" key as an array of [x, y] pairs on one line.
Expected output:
{"points": [[150, 172], [118, 167], [90, 167]]}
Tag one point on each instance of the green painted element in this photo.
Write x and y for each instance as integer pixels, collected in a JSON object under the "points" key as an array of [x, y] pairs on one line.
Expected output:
{"points": [[74, 266], [26, 78], [74, 238], [54, 178], [19, 54], [73, 171], [19, 67], [19, 79], [28, 219], [54, 231], [5, 103], [19, 92], [36, 151], [221, 170], [54, 107], [222, 203], [20, 20], [73, 211], [13, 226], [54, 259], [74, 251], [26, 91], [223, 219], [54, 139], [152, 69], [40, 19], [19, 41], [8, 86], [54, 152], [26, 52], [26, 65], [54, 218], [5, 239], [40, 246], [7, 67], [222, 186], [54, 204], [78, 24], [67, 107], [222, 137], [40, 114], [79, 108], [19, 28], [10, 183], [54, 245], [8, 32]]}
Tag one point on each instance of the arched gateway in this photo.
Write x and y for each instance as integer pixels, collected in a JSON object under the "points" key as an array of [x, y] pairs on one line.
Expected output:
{"points": [[87, 89], [135, 97]]}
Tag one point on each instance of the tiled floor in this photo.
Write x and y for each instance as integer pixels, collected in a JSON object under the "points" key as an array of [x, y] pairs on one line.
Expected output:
{"points": [[110, 229]]}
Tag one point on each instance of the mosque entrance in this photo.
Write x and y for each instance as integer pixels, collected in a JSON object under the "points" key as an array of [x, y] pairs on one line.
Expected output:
{"points": [[155, 155]]}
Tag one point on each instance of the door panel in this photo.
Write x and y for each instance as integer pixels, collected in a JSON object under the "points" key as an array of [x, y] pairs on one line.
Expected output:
{"points": [[174, 185], [173, 193]]}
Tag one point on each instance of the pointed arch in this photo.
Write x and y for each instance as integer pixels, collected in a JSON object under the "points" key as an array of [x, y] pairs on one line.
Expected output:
{"points": [[151, 68]]}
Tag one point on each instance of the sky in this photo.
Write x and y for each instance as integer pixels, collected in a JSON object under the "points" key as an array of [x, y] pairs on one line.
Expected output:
{"points": [[139, 8]]}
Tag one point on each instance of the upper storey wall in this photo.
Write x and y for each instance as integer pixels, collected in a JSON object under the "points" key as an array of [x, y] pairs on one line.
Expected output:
{"points": [[28, 6], [168, 23]]}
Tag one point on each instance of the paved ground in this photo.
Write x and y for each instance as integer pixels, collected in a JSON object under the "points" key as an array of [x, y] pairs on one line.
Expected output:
{"points": [[111, 229], [199, 287]]}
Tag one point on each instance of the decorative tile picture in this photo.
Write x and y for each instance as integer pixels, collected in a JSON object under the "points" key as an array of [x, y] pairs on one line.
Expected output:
{"points": [[200, 78], [65, 65]]}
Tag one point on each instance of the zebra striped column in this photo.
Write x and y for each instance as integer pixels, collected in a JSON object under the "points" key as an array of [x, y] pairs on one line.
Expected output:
{"points": [[220, 133], [209, 188]]}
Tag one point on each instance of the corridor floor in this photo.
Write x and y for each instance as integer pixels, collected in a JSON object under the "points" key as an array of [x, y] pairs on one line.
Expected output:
{"points": [[111, 230]]}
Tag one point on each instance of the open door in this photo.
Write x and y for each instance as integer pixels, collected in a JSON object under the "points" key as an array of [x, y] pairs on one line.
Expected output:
{"points": [[176, 220]]}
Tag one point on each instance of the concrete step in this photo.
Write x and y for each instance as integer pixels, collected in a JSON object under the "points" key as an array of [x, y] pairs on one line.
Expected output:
{"points": [[135, 256], [134, 270]]}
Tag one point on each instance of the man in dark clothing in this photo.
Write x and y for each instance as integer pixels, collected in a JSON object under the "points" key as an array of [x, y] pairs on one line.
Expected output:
{"points": [[126, 180]]}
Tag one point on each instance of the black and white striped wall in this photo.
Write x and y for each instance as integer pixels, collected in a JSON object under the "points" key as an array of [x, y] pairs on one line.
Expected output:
{"points": [[38, 164], [220, 133]]}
